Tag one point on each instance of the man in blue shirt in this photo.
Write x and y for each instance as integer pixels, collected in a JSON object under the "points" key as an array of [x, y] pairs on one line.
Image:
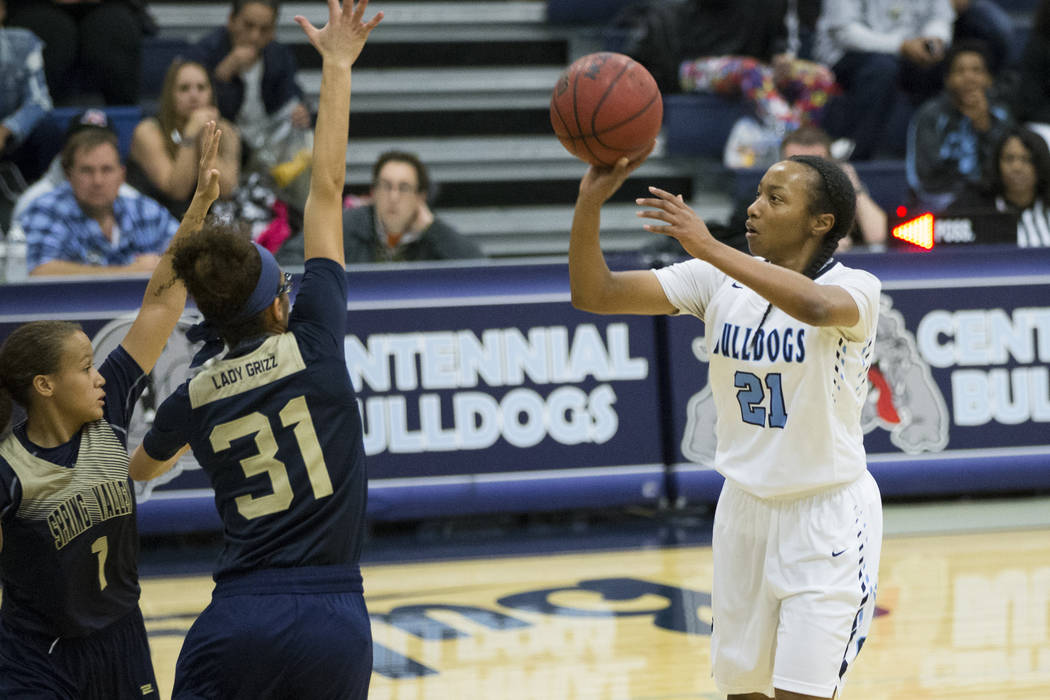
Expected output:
{"points": [[86, 226], [25, 135]]}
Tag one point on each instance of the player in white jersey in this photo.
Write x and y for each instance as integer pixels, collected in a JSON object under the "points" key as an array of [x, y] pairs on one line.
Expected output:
{"points": [[798, 528]]}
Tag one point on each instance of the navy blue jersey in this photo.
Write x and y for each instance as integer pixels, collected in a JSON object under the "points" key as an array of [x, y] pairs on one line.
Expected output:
{"points": [[276, 427], [68, 564]]}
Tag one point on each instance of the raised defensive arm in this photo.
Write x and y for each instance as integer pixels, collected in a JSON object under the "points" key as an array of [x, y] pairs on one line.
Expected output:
{"points": [[339, 43]]}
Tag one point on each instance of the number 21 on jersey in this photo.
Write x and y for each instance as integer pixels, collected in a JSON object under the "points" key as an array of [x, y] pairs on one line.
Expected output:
{"points": [[295, 415], [752, 396]]}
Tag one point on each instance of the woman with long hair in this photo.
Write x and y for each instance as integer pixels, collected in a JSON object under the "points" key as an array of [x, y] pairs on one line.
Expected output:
{"points": [[1017, 183], [70, 624], [798, 527], [165, 149]]}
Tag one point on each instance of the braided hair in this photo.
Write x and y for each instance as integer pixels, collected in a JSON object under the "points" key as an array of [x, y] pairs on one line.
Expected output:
{"points": [[833, 194]]}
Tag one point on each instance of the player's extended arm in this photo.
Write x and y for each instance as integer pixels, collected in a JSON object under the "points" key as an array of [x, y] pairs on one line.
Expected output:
{"points": [[792, 292], [165, 296], [142, 467], [594, 286], [339, 42]]}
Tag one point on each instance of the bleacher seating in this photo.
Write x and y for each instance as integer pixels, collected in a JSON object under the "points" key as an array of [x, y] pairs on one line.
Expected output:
{"points": [[157, 54], [885, 179], [467, 86], [698, 125], [593, 12]]}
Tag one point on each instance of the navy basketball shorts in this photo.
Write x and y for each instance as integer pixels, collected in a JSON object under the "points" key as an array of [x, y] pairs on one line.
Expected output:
{"points": [[113, 663], [295, 633]]}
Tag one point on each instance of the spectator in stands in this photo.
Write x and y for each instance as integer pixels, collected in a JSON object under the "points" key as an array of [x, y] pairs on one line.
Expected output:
{"points": [[869, 229], [398, 225], [26, 134], [952, 136], [987, 21], [88, 44], [255, 86], [166, 149], [85, 225], [1019, 184], [739, 48], [802, 26], [54, 176], [880, 51], [1033, 101]]}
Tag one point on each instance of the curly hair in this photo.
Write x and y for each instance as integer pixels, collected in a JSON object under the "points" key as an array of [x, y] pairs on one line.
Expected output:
{"points": [[833, 194], [32, 349], [220, 268]]}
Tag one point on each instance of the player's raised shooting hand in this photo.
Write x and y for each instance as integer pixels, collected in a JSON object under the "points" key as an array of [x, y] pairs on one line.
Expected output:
{"points": [[345, 34], [600, 183], [207, 173]]}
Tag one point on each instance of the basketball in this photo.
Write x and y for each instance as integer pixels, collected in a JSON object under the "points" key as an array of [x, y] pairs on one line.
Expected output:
{"points": [[606, 106]]}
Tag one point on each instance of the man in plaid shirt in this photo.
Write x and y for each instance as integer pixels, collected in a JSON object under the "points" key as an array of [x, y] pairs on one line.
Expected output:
{"points": [[86, 226]]}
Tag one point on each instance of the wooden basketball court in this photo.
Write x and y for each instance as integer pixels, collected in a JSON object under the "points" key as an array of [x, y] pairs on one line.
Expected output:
{"points": [[963, 614]]}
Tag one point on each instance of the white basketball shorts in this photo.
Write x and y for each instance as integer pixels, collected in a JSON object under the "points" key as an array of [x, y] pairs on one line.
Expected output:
{"points": [[794, 587]]}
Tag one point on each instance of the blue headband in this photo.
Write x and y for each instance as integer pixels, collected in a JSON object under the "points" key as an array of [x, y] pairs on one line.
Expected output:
{"points": [[265, 289], [262, 296]]}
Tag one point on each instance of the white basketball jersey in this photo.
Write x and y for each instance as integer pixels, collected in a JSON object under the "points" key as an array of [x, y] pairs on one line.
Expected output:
{"points": [[788, 395]]}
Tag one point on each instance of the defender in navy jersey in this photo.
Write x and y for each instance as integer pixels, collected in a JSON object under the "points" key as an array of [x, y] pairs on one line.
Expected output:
{"points": [[70, 625], [798, 527], [274, 423]]}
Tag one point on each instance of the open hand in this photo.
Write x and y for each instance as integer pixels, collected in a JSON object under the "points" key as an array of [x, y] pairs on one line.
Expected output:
{"points": [[679, 220], [198, 118], [423, 219], [242, 57], [207, 173], [600, 183], [345, 34]]}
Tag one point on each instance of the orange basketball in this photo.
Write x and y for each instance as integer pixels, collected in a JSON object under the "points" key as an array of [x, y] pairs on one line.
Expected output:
{"points": [[605, 106]]}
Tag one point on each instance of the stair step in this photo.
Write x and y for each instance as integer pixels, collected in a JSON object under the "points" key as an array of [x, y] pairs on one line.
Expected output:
{"points": [[419, 89], [511, 170], [452, 122], [483, 157], [402, 21], [439, 50], [544, 230]]}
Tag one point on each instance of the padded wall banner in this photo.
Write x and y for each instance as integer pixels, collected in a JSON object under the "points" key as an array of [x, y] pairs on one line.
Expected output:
{"points": [[519, 392], [483, 390], [475, 390]]}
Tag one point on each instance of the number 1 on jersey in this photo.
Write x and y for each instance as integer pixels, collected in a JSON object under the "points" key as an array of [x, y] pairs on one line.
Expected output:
{"points": [[751, 396], [101, 548], [296, 413]]}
